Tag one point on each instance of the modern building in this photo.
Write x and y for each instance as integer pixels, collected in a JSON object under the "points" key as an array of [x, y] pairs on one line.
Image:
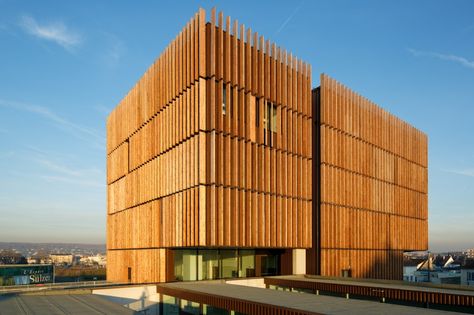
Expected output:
{"points": [[61, 258], [467, 273], [223, 162]]}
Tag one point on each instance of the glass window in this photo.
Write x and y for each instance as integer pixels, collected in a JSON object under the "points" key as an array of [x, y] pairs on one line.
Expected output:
{"points": [[229, 263], [247, 263], [178, 265], [269, 265], [274, 119], [224, 99], [170, 305], [185, 265], [208, 264], [188, 307], [209, 309], [268, 115], [269, 122]]}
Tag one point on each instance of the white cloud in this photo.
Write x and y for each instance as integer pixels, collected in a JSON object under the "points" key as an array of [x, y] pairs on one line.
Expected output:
{"points": [[57, 170], [74, 181], [79, 131], [458, 59], [289, 18], [465, 172], [56, 32]]}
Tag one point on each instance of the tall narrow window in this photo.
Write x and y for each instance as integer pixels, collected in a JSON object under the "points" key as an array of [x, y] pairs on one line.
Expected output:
{"points": [[274, 119], [270, 123], [268, 120], [257, 111], [224, 99], [231, 104]]}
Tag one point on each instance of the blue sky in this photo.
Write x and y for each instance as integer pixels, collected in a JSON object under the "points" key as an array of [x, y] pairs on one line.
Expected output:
{"points": [[65, 65]]}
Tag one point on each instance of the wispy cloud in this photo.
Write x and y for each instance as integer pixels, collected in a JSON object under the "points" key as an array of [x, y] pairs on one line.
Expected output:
{"points": [[114, 50], [289, 18], [465, 172], [458, 59], [79, 131], [56, 32], [74, 181], [58, 168]]}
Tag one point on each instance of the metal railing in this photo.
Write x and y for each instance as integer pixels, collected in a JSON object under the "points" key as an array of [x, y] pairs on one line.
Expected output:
{"points": [[57, 286]]}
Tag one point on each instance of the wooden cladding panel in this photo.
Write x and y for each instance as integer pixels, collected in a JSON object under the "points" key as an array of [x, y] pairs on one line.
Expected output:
{"points": [[175, 170], [378, 264], [190, 159], [181, 64], [117, 163], [374, 185], [352, 228], [358, 117], [147, 265], [240, 162]]}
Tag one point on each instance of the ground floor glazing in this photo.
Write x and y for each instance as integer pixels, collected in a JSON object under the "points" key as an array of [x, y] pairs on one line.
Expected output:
{"points": [[209, 264]]}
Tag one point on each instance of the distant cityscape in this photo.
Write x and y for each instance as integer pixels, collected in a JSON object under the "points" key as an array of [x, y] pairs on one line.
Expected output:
{"points": [[455, 267], [78, 262], [30, 249], [36, 263]]}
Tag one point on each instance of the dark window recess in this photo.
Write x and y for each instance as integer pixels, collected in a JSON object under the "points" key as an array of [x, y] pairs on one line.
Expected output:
{"points": [[129, 273]]}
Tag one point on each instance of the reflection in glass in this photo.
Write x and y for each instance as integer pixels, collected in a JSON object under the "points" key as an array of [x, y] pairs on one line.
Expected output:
{"points": [[185, 265], [208, 264], [229, 263], [247, 263], [170, 305]]}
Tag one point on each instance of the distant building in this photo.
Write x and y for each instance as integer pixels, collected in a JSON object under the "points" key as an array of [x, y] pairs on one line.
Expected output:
{"points": [[409, 271], [439, 270], [467, 273], [61, 258], [99, 260], [470, 253], [11, 257], [446, 277], [40, 257]]}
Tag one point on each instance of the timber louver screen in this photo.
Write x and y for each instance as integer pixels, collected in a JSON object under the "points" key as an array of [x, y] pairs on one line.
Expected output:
{"points": [[181, 173], [374, 185]]}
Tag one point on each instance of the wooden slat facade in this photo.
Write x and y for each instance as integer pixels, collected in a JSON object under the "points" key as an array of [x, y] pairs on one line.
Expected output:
{"points": [[372, 203], [213, 148], [185, 170]]}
